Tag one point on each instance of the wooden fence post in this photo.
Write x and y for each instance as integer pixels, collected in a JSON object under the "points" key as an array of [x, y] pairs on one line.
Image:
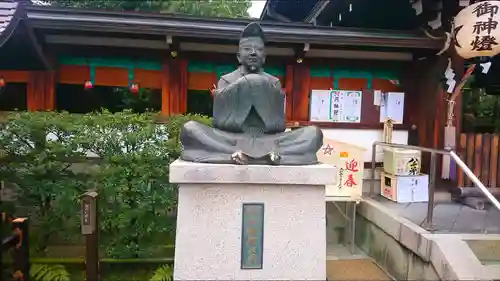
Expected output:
{"points": [[90, 228], [21, 251]]}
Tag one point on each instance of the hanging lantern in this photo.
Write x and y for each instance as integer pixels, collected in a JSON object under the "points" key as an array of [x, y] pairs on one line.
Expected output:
{"points": [[88, 85], [476, 31], [2, 82], [134, 88]]}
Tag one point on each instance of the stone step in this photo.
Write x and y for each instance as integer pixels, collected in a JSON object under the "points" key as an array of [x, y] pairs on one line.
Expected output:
{"points": [[336, 251], [487, 251], [355, 269]]}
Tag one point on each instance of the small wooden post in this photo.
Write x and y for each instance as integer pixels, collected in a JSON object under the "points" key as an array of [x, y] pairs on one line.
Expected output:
{"points": [[388, 128], [21, 251], [90, 231]]}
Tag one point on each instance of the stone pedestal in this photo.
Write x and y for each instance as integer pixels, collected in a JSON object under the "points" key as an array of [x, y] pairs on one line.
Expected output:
{"points": [[210, 223]]}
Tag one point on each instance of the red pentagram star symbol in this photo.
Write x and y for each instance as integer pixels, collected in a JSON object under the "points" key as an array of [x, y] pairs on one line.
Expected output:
{"points": [[328, 149]]}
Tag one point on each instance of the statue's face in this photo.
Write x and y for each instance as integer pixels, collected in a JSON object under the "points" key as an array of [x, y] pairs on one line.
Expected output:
{"points": [[251, 54]]}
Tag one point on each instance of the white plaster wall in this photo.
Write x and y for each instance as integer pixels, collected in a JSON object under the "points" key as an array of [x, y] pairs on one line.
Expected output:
{"points": [[209, 225], [365, 138]]}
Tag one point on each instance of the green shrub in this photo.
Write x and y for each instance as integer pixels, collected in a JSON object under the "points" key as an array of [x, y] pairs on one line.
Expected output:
{"points": [[43, 272], [163, 273], [43, 182], [135, 197]]}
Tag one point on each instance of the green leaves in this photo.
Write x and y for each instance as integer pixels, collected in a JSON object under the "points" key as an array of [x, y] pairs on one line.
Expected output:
{"points": [[135, 197], [206, 8], [43, 272], [163, 273]]}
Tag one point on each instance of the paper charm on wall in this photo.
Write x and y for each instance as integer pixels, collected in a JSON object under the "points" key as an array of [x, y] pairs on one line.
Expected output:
{"points": [[476, 31]]}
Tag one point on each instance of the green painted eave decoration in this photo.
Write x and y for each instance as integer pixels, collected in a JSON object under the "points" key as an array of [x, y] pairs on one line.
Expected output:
{"points": [[275, 71], [385, 74], [106, 62], [148, 65], [194, 66], [320, 72], [218, 69], [224, 69], [367, 74], [221, 69]]}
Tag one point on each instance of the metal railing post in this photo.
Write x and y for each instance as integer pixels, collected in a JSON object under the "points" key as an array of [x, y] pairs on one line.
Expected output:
{"points": [[432, 189], [372, 183]]}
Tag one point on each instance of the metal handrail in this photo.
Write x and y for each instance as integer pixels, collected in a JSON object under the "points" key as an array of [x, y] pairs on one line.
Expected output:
{"points": [[432, 175], [475, 180]]}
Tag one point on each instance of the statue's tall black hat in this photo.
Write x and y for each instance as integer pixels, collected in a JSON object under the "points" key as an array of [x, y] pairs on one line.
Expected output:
{"points": [[253, 29]]}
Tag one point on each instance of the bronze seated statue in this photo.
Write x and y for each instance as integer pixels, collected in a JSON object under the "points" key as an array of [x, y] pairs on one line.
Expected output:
{"points": [[249, 118]]}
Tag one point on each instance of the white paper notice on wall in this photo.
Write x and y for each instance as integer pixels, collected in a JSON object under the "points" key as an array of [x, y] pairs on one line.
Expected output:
{"points": [[320, 106], [346, 106], [377, 95], [392, 107]]}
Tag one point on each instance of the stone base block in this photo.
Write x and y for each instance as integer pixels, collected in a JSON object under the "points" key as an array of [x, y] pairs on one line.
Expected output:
{"points": [[210, 225]]}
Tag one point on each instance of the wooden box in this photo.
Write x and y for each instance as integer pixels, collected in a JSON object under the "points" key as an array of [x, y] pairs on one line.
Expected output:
{"points": [[404, 189], [402, 162]]}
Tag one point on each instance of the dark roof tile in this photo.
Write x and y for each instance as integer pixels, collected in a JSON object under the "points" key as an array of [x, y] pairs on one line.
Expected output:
{"points": [[8, 19]]}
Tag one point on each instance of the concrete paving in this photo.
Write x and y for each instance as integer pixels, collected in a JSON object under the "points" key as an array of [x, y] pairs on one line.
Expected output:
{"points": [[449, 217]]}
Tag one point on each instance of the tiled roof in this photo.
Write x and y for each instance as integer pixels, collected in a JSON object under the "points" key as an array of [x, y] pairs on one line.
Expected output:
{"points": [[40, 3], [8, 19], [7, 11]]}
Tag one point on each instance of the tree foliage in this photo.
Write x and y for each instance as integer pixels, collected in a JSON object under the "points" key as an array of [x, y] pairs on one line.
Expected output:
{"points": [[136, 200], [206, 8], [41, 180], [481, 111]]}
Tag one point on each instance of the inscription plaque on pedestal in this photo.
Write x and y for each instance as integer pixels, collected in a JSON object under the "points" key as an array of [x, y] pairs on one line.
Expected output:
{"points": [[252, 236]]}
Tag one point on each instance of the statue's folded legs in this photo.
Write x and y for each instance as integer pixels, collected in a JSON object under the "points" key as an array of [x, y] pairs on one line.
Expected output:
{"points": [[205, 144]]}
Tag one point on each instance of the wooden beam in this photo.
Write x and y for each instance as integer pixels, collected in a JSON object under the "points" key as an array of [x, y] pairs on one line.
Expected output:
{"points": [[231, 49], [165, 89], [300, 93], [38, 48], [40, 90], [73, 74], [316, 11], [14, 76], [201, 80], [289, 76], [111, 76], [49, 90], [106, 42]]}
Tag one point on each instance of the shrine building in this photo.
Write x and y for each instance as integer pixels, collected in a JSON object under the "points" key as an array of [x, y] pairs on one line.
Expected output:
{"points": [[71, 59]]}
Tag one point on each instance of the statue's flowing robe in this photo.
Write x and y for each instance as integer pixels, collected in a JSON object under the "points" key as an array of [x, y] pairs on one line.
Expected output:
{"points": [[235, 104]]}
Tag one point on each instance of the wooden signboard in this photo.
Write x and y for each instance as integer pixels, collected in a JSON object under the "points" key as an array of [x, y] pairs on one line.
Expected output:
{"points": [[88, 213], [348, 159]]}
